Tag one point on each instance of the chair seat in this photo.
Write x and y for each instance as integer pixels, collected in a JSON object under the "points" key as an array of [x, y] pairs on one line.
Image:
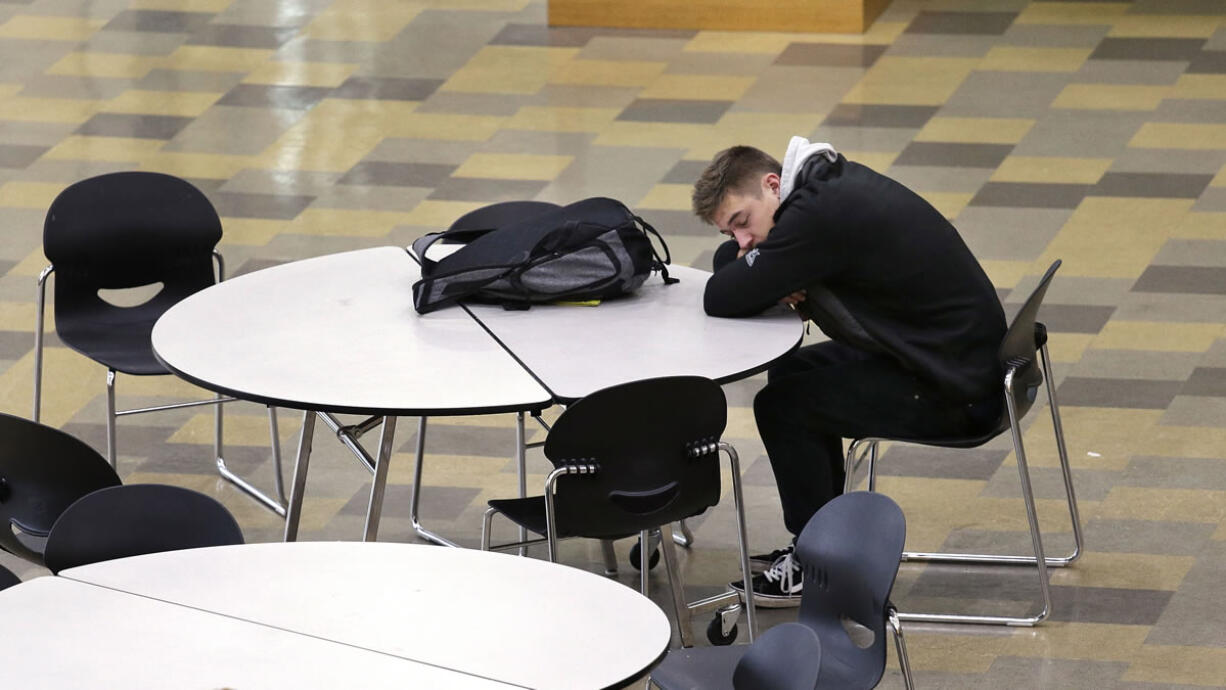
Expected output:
{"points": [[954, 442], [529, 513], [698, 668], [125, 347]]}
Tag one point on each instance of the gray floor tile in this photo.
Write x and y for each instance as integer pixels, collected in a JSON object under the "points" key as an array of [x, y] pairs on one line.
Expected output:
{"points": [[1179, 186], [1204, 162], [1147, 536], [649, 48], [1206, 7], [437, 502], [537, 35], [775, 90], [133, 43], [1213, 200], [274, 96], [476, 189], [867, 115], [238, 131], [397, 174], [1005, 94], [164, 21], [188, 80], [1075, 318], [1130, 72], [1194, 410], [829, 55], [684, 172], [698, 62], [1031, 195], [1206, 280], [994, 23], [18, 156], [672, 110], [387, 88], [133, 126], [1170, 307], [1109, 605], [1131, 393], [577, 96], [1025, 673], [363, 198], [999, 232], [1055, 35], [1088, 133], [1130, 364], [498, 105], [292, 182], [1191, 617], [1208, 62], [928, 461], [1179, 49], [1206, 381], [240, 36], [942, 45], [941, 178], [273, 206], [1174, 473], [62, 86]]}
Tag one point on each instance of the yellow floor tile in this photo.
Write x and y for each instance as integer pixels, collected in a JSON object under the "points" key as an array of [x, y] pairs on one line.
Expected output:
{"points": [[1027, 59], [243, 430], [1183, 665], [161, 103], [717, 87], [911, 80], [513, 166], [739, 42], [104, 65], [1005, 274], [953, 652], [1047, 170], [663, 135], [1072, 13], [1185, 441], [182, 5], [70, 382], [205, 165], [1158, 335], [1111, 97], [1061, 640], [626, 73], [1134, 229], [508, 69], [103, 149], [251, 232], [1125, 571], [431, 213], [215, 59], [950, 204], [1200, 86], [39, 195], [671, 197], [22, 109], [558, 119], [975, 130], [294, 73], [877, 160], [446, 127], [470, 471], [1068, 348], [361, 20], [1175, 505], [44, 28], [1166, 135], [1097, 438]]}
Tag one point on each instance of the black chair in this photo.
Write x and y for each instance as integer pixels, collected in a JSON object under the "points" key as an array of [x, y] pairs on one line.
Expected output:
{"points": [[850, 554], [122, 521], [1026, 364], [8, 578], [128, 230], [42, 472], [628, 460], [786, 657]]}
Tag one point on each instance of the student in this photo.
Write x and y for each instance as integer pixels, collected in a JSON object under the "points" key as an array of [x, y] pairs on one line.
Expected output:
{"points": [[914, 323]]}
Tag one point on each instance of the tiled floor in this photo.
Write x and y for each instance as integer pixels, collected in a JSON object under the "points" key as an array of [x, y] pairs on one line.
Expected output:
{"points": [[1094, 132]]}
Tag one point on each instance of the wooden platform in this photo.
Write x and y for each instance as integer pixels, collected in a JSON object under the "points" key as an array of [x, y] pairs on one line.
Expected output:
{"points": [[822, 16]]}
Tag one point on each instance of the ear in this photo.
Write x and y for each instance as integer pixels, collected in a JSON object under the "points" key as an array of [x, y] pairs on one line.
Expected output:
{"points": [[770, 184]]}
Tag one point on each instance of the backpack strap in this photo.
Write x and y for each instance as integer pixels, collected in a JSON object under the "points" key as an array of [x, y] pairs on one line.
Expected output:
{"points": [[661, 264]]}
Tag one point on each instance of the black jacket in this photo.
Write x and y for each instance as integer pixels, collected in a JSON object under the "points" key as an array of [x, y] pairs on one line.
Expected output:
{"points": [[884, 271]]}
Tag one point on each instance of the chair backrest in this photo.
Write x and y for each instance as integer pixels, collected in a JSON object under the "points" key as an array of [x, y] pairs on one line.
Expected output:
{"points": [[137, 519], [125, 230], [8, 578], [786, 657], [850, 551], [654, 442], [42, 471], [1021, 343]]}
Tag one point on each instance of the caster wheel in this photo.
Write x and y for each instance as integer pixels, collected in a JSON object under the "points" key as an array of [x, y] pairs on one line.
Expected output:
{"points": [[636, 555], [716, 636]]}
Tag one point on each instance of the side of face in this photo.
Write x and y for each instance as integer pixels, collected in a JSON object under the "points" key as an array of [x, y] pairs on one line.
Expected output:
{"points": [[748, 217]]}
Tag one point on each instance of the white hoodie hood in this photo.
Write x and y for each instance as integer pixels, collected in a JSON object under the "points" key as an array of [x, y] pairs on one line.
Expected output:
{"points": [[799, 150]]}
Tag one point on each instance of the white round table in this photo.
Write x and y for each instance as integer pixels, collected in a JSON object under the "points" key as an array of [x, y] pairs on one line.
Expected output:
{"points": [[338, 334], [482, 616]]}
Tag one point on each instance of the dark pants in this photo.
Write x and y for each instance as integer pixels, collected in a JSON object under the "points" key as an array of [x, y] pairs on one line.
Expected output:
{"points": [[824, 393]]}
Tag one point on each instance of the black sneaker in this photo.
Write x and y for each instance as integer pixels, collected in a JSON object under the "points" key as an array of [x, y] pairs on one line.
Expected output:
{"points": [[763, 561], [779, 586]]}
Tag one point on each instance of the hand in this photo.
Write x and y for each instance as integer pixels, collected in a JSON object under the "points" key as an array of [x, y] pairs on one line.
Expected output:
{"points": [[793, 299]]}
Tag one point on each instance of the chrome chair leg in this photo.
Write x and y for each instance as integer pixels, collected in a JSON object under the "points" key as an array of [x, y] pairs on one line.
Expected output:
{"points": [[1065, 468], [680, 608], [40, 303], [686, 538], [610, 556], [644, 538], [415, 494], [742, 533], [111, 455], [521, 466], [900, 644]]}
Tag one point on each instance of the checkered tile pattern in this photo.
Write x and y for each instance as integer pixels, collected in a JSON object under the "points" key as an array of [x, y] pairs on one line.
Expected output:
{"points": [[1093, 132]]}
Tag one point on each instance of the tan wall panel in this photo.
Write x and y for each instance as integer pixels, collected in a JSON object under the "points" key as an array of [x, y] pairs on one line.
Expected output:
{"points": [[831, 16]]}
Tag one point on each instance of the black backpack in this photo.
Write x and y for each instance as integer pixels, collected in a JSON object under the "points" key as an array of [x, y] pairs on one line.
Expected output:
{"points": [[518, 253]]}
